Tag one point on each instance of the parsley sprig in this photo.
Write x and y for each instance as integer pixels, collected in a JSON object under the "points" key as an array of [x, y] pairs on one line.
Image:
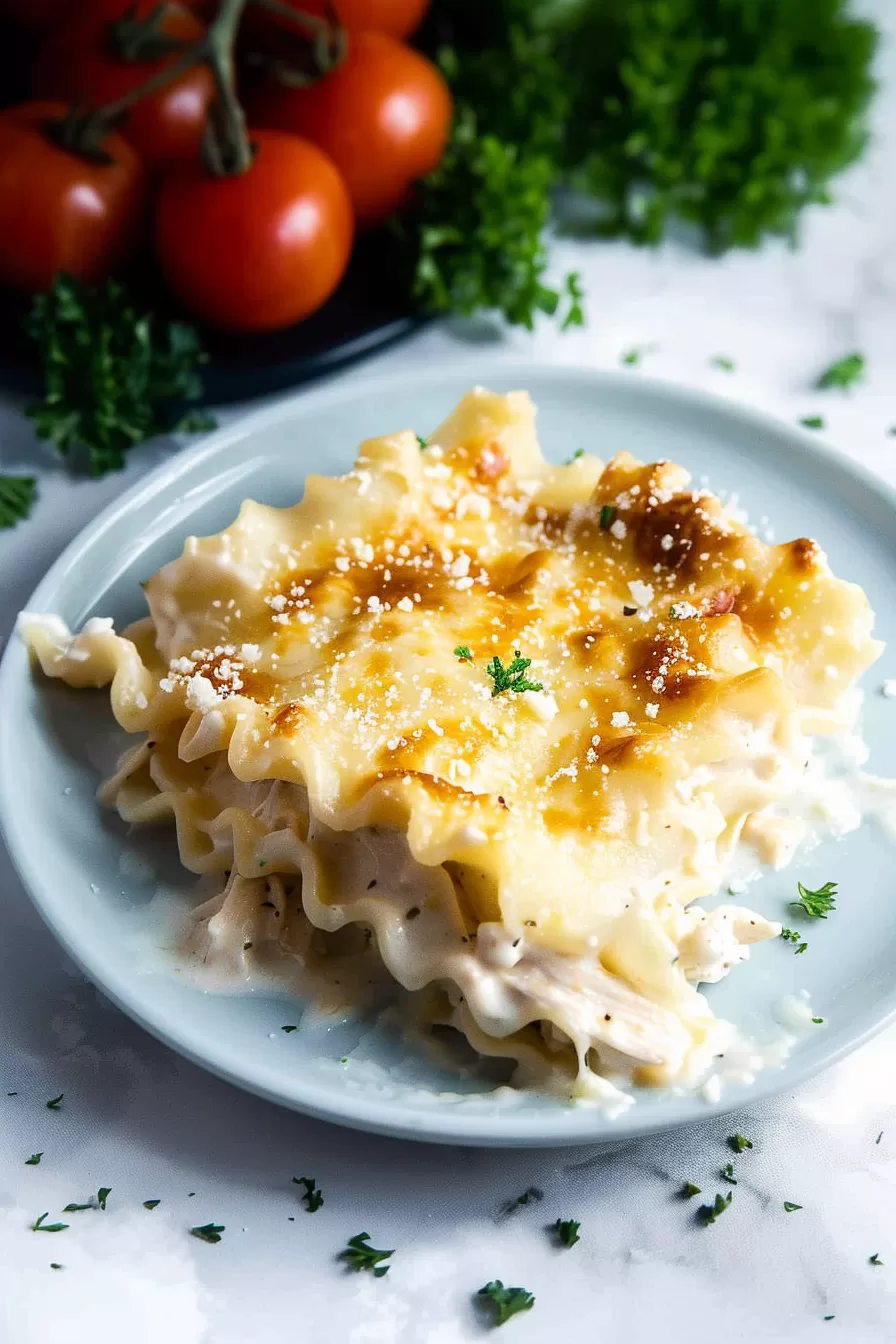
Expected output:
{"points": [[512, 677], [312, 1198], [359, 1254], [816, 904], [505, 1302], [17, 496], [112, 376]]}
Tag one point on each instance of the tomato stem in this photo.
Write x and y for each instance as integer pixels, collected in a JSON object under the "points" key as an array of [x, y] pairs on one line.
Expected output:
{"points": [[329, 46], [226, 147], [135, 40]]}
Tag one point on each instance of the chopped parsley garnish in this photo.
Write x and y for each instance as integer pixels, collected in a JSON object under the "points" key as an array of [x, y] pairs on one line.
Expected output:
{"points": [[359, 1255], [12, 1094], [33, 1160], [421, 441], [312, 1198], [607, 516], [632, 356], [102, 1195], [791, 936], [55, 1104], [827, 1318], [78, 1208], [723, 362], [579, 452], [464, 653], [17, 496], [791, 1208], [531, 1196], [879, 1137], [819, 1021], [289, 1028], [151, 1203], [737, 1143], [812, 421], [846, 372], [708, 1213], [506, 1302], [875, 1259], [689, 1190], [727, 1173], [816, 904], [54, 1265], [567, 1231], [40, 1226], [210, 1232], [512, 677]]}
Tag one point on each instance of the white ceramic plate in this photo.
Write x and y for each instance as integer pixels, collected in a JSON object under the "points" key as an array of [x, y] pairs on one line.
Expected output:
{"points": [[79, 864]]}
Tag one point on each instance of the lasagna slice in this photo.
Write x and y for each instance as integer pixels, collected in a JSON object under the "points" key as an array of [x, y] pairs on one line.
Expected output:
{"points": [[491, 723]]}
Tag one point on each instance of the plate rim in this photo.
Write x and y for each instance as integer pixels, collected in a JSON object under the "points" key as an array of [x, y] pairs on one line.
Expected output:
{"points": [[449, 1124]]}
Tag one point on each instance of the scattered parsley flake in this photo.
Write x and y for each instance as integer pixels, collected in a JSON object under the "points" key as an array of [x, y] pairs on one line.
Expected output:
{"points": [[844, 373], [343, 1059], [875, 1260], [708, 1213], [359, 1255], [506, 1302], [791, 936], [531, 1196], [828, 1318], [40, 1226], [17, 496], [313, 1198], [289, 1028], [737, 1143], [421, 441], [723, 362], [607, 516], [33, 1160], [816, 904], [727, 1173], [210, 1232], [464, 653], [790, 1207], [151, 1203], [579, 452], [12, 1094], [812, 421], [78, 1208], [567, 1231], [892, 431], [55, 1104], [512, 677], [689, 1190], [879, 1137], [819, 1021], [54, 1265], [102, 1195]]}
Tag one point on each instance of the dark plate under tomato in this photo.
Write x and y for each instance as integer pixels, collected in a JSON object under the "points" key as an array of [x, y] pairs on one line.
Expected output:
{"points": [[369, 311]]}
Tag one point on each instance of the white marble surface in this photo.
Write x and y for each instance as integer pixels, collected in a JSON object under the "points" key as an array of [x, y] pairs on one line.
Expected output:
{"points": [[137, 1118]]}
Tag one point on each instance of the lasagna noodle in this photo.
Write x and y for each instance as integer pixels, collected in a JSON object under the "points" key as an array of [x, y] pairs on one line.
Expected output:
{"points": [[309, 716]]}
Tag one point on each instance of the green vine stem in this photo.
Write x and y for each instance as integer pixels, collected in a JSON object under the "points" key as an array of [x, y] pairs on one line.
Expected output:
{"points": [[226, 147]]}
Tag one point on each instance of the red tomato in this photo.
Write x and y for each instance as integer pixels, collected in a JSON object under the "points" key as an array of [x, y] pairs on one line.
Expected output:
{"points": [[383, 117], [58, 211], [260, 250], [75, 64], [398, 18]]}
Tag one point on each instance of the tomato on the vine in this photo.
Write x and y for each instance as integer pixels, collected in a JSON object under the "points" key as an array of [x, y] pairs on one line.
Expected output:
{"points": [[259, 250], [78, 65], [383, 116], [60, 211]]}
